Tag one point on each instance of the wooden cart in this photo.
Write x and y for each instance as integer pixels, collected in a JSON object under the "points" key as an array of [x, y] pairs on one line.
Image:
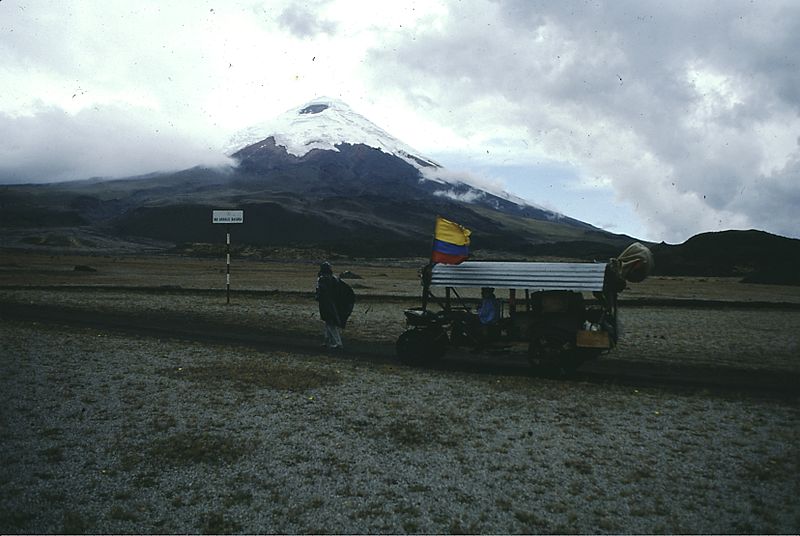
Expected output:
{"points": [[559, 314]]}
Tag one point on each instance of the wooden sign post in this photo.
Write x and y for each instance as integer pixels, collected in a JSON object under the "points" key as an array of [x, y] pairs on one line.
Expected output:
{"points": [[227, 217]]}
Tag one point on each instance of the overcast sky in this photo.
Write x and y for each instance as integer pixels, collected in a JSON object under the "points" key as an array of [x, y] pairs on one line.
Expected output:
{"points": [[656, 119]]}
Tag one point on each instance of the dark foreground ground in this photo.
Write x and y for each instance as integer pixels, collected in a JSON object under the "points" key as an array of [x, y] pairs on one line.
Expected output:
{"points": [[134, 399]]}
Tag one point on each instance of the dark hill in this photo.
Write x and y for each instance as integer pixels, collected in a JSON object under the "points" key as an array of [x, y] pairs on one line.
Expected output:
{"points": [[756, 256]]}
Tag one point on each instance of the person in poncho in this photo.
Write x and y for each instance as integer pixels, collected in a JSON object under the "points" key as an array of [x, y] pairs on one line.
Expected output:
{"points": [[335, 299]]}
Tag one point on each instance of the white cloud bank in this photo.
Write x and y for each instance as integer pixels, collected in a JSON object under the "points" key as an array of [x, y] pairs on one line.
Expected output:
{"points": [[53, 145], [685, 112]]}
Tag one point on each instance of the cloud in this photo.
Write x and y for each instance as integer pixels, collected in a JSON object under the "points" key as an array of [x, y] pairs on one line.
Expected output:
{"points": [[303, 20], [470, 196], [466, 177], [53, 145], [689, 111], [772, 200]]}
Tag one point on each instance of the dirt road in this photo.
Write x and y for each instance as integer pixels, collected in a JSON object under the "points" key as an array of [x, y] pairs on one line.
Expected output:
{"points": [[677, 372]]}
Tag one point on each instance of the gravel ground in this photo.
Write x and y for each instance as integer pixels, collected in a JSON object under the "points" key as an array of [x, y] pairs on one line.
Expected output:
{"points": [[102, 432], [107, 433]]}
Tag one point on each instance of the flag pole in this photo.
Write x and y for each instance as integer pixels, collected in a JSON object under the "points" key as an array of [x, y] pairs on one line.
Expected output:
{"points": [[433, 238], [427, 271]]}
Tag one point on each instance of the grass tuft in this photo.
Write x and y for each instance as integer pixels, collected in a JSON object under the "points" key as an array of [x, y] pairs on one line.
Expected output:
{"points": [[121, 514], [423, 430], [14, 521], [580, 465], [218, 523], [256, 374], [204, 447], [74, 523]]}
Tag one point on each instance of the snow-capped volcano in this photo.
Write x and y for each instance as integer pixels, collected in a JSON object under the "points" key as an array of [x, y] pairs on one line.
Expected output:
{"points": [[324, 177], [324, 123], [328, 124]]}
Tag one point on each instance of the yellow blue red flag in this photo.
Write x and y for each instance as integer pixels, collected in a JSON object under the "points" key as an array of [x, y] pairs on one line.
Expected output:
{"points": [[450, 242]]}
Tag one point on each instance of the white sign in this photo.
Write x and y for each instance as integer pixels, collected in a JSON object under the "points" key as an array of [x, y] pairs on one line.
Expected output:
{"points": [[228, 216]]}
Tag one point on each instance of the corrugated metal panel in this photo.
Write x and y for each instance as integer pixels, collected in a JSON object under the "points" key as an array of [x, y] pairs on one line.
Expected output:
{"points": [[521, 275]]}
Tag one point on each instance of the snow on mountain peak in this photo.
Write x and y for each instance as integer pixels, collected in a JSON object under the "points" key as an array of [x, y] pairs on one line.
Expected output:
{"points": [[324, 123]]}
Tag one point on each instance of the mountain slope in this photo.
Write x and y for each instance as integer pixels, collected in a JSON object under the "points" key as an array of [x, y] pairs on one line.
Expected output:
{"points": [[284, 208], [321, 176], [343, 146]]}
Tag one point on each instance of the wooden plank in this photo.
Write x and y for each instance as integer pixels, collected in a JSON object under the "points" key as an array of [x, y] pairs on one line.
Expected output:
{"points": [[592, 339]]}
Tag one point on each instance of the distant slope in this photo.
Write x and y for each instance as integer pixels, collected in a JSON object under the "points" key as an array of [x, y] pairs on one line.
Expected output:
{"points": [[356, 207], [281, 210], [757, 256], [360, 169], [321, 176]]}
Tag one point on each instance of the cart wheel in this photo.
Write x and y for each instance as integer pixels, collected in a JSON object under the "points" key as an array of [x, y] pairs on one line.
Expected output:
{"points": [[418, 346], [553, 355], [568, 363]]}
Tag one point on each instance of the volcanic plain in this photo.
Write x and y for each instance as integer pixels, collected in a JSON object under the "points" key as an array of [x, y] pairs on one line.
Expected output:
{"points": [[138, 396]]}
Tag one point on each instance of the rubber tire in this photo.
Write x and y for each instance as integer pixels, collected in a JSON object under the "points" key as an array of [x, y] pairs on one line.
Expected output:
{"points": [[419, 346]]}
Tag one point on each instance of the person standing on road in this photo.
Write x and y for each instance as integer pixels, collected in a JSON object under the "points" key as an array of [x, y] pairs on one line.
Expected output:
{"points": [[326, 296]]}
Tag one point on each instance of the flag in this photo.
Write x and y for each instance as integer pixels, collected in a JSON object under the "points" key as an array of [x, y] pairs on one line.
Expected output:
{"points": [[450, 242]]}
